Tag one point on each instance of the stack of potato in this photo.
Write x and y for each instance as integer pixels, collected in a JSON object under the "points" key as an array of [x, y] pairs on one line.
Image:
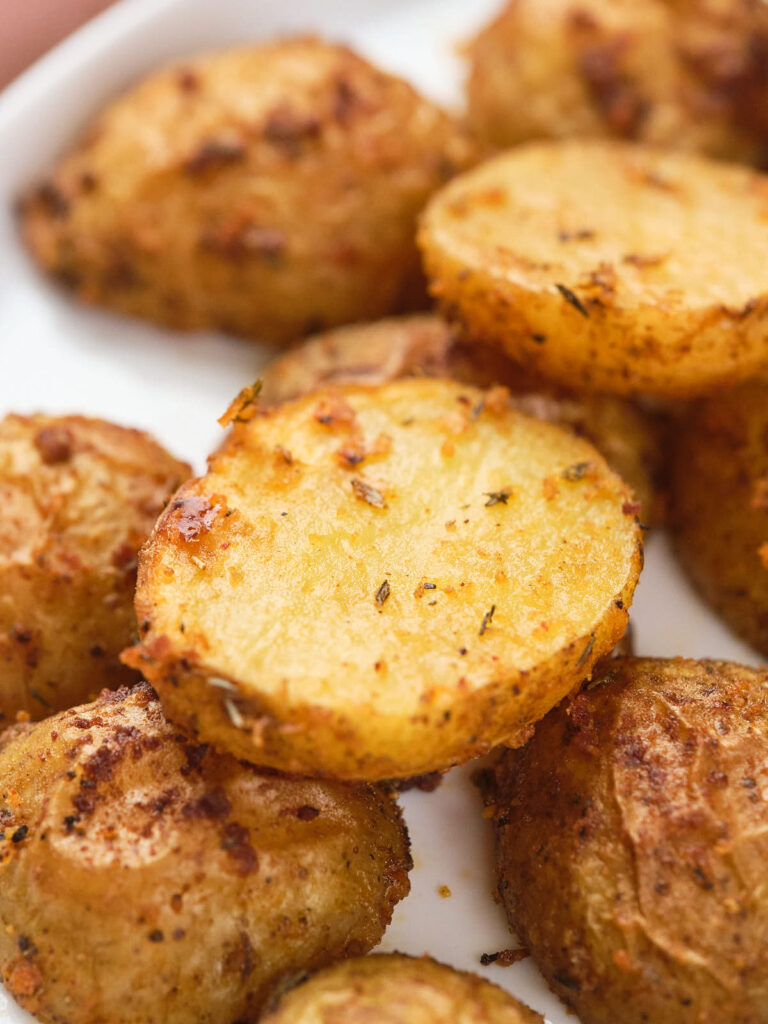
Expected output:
{"points": [[418, 542]]}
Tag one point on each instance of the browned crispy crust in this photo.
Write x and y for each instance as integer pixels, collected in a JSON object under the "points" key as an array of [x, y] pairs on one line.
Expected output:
{"points": [[719, 492], [267, 191], [78, 497], [148, 880], [687, 74], [631, 844]]}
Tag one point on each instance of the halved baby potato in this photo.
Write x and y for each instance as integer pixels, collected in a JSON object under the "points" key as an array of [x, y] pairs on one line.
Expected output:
{"points": [[608, 266], [78, 498], [630, 439], [382, 582], [267, 191], [395, 989], [146, 879]]}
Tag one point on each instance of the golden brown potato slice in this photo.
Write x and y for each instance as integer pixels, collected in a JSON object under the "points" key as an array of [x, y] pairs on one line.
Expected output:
{"points": [[608, 266], [395, 989], [719, 501], [630, 439], [684, 74], [266, 191], [78, 498], [381, 582], [631, 840], [149, 880]]}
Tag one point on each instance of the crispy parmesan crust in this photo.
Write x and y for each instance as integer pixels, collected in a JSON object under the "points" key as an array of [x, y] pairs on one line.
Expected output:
{"points": [[78, 497], [378, 583], [630, 439], [266, 191], [631, 844], [607, 266], [395, 989], [148, 880]]}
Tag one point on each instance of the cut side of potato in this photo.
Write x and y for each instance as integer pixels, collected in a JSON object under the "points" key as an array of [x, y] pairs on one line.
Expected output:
{"points": [[639, 807], [382, 582], [608, 266], [394, 989]]}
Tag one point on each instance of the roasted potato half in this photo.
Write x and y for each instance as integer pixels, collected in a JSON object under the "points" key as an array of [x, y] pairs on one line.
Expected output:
{"points": [[394, 989], [684, 74], [631, 841], [426, 346], [265, 191], [607, 266], [78, 497], [382, 582], [719, 506], [149, 880]]}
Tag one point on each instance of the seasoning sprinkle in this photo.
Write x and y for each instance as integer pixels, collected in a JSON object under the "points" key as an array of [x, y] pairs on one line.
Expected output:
{"points": [[234, 713], [487, 620], [382, 593], [243, 408], [576, 472], [222, 684], [573, 299], [19, 834], [587, 651], [497, 498], [368, 493], [430, 586]]}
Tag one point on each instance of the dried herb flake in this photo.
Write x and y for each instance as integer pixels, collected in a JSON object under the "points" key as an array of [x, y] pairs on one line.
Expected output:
{"points": [[382, 593], [368, 493], [487, 620], [572, 299], [497, 498]]}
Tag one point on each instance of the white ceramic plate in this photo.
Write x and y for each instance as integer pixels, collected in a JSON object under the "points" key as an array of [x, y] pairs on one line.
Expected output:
{"points": [[56, 357]]}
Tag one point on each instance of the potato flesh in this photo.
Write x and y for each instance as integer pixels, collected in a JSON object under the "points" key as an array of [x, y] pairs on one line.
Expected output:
{"points": [[396, 989], [492, 561], [608, 266]]}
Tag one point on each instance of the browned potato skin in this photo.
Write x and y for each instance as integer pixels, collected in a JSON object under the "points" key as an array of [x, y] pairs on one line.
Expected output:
{"points": [[592, 263], [395, 989], [148, 880], [427, 346], [719, 498], [266, 191], [305, 666], [686, 74], [78, 498], [640, 807]]}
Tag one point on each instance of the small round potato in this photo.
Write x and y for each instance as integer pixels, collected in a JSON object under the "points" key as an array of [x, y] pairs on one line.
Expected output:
{"points": [[684, 74], [381, 582], [719, 501], [395, 989], [426, 346], [606, 266], [78, 498], [266, 191], [148, 880], [631, 842]]}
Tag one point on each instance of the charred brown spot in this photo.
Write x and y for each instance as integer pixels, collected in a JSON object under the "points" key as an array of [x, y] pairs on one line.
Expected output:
{"points": [[54, 201], [193, 516], [214, 154], [237, 843], [188, 80], [240, 240], [613, 92], [307, 813], [290, 129], [55, 444], [212, 805]]}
